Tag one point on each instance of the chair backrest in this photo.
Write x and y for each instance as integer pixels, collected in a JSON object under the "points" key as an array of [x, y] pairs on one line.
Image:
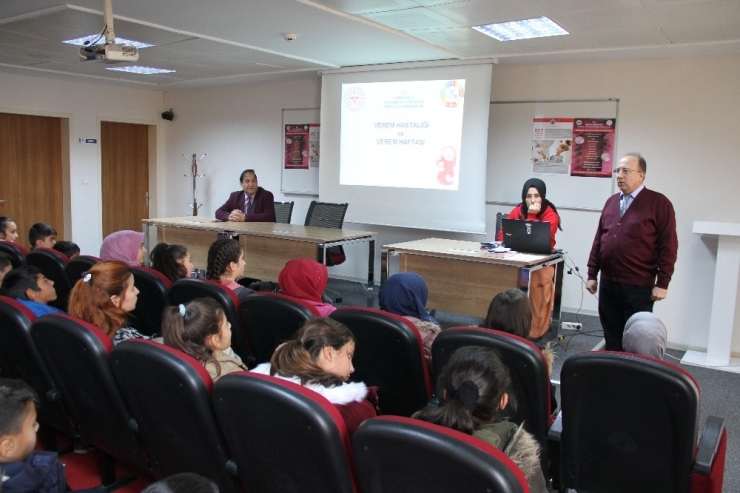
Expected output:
{"points": [[16, 252], [19, 358], [154, 297], [325, 214], [500, 216], [76, 354], [271, 319], [629, 423], [187, 289], [388, 354], [169, 394], [283, 437], [78, 265], [528, 369], [283, 212], [53, 265], [402, 454]]}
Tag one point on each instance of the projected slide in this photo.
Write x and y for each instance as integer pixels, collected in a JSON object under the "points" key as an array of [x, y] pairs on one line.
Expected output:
{"points": [[402, 134]]}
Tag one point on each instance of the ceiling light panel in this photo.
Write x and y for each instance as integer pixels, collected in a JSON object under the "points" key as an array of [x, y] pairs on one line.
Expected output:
{"points": [[541, 27]]}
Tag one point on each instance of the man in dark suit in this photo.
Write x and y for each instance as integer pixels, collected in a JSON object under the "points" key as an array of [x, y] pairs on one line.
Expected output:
{"points": [[253, 203]]}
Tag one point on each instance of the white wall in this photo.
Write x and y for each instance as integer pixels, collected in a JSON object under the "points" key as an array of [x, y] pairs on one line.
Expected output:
{"points": [[85, 105], [679, 113]]}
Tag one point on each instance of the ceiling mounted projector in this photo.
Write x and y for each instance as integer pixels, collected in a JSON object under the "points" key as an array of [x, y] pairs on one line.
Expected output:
{"points": [[109, 53]]}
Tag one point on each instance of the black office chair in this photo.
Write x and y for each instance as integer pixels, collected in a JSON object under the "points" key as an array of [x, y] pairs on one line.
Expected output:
{"points": [[16, 252], [283, 212], [328, 215], [500, 216]]}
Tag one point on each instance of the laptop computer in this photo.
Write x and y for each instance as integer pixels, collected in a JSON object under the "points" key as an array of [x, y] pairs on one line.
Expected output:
{"points": [[527, 236]]}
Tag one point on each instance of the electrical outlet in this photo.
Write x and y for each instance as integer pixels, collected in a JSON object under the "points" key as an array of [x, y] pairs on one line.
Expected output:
{"points": [[571, 326]]}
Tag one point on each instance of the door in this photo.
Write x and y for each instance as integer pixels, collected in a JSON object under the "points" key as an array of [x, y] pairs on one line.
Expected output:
{"points": [[31, 181], [124, 175]]}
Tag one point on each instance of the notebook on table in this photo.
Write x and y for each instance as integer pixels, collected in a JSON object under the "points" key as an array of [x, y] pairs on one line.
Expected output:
{"points": [[527, 236]]}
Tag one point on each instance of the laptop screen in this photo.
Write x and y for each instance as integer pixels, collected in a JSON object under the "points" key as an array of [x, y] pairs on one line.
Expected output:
{"points": [[527, 236]]}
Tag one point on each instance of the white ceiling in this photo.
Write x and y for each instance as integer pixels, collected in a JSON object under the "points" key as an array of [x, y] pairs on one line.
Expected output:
{"points": [[212, 42]]}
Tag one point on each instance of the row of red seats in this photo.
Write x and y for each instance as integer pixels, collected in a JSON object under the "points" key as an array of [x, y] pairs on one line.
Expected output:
{"points": [[157, 409]]}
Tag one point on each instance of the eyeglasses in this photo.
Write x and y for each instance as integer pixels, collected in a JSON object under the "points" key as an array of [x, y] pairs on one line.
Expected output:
{"points": [[625, 171]]}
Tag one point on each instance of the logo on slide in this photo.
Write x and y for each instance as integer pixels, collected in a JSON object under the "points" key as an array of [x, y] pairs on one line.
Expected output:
{"points": [[452, 93], [447, 161], [354, 98]]}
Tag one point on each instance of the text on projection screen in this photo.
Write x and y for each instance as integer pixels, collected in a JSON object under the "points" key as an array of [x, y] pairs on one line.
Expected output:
{"points": [[402, 134]]}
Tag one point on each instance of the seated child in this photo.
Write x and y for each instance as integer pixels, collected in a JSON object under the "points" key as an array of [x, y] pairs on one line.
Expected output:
{"points": [[22, 469], [8, 229], [320, 358], [406, 294], [645, 333], [42, 235], [226, 265], [306, 279], [171, 260], [126, 246], [69, 248], [32, 288], [104, 297], [474, 391], [200, 330], [5, 266]]}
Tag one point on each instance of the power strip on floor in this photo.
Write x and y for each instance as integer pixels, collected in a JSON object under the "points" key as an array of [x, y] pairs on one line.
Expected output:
{"points": [[571, 326]]}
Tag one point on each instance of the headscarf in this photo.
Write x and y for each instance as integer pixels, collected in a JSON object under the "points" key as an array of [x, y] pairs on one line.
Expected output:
{"points": [[304, 278], [405, 294], [645, 333], [542, 189], [122, 245]]}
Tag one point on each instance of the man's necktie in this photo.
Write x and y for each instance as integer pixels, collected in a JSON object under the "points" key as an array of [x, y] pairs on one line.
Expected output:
{"points": [[248, 208]]}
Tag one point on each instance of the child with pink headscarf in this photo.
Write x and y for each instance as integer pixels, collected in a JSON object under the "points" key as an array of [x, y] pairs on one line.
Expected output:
{"points": [[126, 246]]}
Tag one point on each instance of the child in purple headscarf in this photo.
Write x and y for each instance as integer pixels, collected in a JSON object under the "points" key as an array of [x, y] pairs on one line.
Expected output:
{"points": [[405, 294], [126, 245]]}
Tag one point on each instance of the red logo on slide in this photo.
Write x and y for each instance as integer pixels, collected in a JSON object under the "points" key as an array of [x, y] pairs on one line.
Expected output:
{"points": [[354, 98], [447, 161]]}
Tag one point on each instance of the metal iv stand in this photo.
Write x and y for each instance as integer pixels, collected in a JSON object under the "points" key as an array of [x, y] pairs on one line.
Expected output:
{"points": [[194, 173]]}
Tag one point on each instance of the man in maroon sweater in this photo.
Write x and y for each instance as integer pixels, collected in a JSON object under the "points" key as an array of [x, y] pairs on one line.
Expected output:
{"points": [[634, 249]]}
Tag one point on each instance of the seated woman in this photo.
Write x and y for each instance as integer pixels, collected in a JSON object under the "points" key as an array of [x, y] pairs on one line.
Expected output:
{"points": [[475, 392], [226, 265], [319, 357], [306, 280], [200, 329], [406, 294], [126, 246], [104, 296], [171, 260], [536, 207], [645, 333]]}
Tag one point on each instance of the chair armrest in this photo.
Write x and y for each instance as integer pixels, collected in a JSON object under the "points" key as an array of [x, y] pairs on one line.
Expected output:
{"points": [[709, 441], [556, 430]]}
